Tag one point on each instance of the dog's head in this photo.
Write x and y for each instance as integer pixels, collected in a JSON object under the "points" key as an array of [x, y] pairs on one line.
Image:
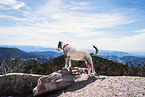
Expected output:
{"points": [[60, 46]]}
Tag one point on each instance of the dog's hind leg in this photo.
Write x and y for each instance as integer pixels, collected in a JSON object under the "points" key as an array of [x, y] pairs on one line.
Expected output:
{"points": [[93, 71], [89, 69], [90, 62]]}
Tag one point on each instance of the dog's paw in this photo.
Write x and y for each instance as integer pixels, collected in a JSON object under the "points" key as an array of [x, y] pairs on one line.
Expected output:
{"points": [[97, 74], [91, 74], [67, 68], [64, 68], [94, 74]]}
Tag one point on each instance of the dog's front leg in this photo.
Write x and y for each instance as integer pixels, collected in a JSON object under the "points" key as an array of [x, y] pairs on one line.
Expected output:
{"points": [[69, 63], [66, 61]]}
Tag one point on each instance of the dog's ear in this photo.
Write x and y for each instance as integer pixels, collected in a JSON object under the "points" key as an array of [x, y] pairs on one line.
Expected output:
{"points": [[59, 44]]}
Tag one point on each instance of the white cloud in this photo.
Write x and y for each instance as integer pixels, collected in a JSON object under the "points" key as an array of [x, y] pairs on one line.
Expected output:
{"points": [[143, 30], [130, 43], [87, 33], [60, 14], [48, 23], [25, 35], [78, 23], [79, 6], [25, 31], [12, 4], [8, 2], [57, 17], [12, 18], [79, 3]]}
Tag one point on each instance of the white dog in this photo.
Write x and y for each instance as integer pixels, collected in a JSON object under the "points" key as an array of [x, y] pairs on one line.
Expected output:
{"points": [[71, 53]]}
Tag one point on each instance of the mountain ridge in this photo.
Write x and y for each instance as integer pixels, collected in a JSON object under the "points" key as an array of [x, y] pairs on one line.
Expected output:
{"points": [[29, 48], [45, 54], [103, 66], [10, 53]]}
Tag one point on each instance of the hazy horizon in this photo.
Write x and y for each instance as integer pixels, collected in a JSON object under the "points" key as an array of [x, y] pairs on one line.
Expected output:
{"points": [[117, 25], [141, 53]]}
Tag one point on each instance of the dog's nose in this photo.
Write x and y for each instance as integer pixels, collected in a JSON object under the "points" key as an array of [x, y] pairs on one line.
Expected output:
{"points": [[57, 49]]}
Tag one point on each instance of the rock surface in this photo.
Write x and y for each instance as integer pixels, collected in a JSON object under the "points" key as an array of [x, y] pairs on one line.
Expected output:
{"points": [[81, 86], [104, 86], [18, 83], [21, 84], [53, 82]]}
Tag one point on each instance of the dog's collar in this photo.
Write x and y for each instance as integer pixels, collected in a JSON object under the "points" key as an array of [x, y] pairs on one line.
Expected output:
{"points": [[65, 46]]}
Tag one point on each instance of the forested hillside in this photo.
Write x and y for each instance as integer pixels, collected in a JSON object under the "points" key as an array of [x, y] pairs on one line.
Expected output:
{"points": [[102, 66], [11, 61], [45, 54]]}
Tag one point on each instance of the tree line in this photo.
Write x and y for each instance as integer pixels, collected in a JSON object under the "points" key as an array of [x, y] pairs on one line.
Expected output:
{"points": [[101, 65]]}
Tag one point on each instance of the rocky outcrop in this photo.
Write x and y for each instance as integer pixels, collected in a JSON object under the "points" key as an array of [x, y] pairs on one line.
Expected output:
{"points": [[82, 85], [54, 81], [32, 84], [79, 71], [18, 83], [104, 86]]}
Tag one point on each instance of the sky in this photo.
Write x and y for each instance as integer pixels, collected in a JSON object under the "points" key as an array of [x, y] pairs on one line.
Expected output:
{"points": [[108, 24]]}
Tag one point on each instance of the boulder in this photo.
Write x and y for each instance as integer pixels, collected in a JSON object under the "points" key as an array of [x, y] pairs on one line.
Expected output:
{"points": [[18, 83], [53, 82], [13, 84]]}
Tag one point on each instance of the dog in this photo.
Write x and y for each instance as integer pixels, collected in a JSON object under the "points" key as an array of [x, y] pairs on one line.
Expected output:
{"points": [[71, 53]]}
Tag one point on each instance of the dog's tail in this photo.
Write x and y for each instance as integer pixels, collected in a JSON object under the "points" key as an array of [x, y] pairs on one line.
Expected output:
{"points": [[93, 54]]}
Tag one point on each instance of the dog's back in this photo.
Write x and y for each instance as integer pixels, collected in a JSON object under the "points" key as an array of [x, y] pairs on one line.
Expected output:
{"points": [[75, 54]]}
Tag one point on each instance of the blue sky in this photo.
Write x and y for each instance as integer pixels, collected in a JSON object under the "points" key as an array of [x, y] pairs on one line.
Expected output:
{"points": [[109, 24]]}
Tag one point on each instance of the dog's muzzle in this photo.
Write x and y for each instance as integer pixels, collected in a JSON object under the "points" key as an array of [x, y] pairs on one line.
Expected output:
{"points": [[59, 50]]}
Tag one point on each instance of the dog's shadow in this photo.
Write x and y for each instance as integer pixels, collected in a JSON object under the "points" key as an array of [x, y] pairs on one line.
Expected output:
{"points": [[75, 86], [81, 84]]}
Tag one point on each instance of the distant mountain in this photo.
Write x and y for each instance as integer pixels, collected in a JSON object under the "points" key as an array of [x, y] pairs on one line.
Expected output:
{"points": [[13, 52], [30, 48], [103, 65], [43, 49], [137, 53], [121, 57], [109, 53], [126, 60], [47, 54], [9, 53], [27, 48]]}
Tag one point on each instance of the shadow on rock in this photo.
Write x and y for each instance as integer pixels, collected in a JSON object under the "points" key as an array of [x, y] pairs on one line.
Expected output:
{"points": [[81, 84], [75, 86]]}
